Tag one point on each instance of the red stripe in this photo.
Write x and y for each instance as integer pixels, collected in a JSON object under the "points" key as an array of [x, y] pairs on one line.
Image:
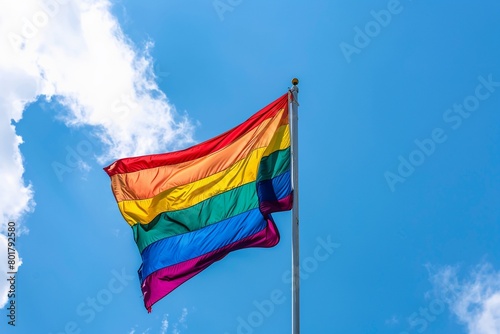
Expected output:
{"points": [[135, 164], [163, 281]]}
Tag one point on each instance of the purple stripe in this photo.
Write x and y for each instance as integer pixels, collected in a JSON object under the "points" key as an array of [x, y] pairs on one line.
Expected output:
{"points": [[165, 280], [283, 204]]}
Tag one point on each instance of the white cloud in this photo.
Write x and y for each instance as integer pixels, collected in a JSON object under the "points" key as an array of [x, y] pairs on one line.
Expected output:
{"points": [[392, 321], [176, 326], [75, 53], [475, 299], [184, 315], [164, 324], [181, 321], [16, 198]]}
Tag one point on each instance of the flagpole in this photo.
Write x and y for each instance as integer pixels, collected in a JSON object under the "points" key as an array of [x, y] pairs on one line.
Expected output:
{"points": [[293, 99]]}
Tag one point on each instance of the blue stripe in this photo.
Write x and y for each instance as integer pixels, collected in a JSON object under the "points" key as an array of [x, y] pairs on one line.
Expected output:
{"points": [[274, 189], [180, 248]]}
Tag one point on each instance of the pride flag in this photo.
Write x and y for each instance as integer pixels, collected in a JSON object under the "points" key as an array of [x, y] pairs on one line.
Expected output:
{"points": [[190, 208]]}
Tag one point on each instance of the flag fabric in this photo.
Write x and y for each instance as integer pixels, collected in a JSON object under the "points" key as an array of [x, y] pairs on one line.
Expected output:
{"points": [[190, 208]]}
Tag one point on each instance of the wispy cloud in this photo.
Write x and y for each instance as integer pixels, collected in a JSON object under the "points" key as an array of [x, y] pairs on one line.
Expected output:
{"points": [[164, 324], [184, 315], [473, 299], [392, 321], [181, 322], [75, 53], [167, 324]]}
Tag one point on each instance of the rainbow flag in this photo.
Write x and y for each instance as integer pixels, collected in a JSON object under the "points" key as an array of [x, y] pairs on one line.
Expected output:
{"points": [[189, 209]]}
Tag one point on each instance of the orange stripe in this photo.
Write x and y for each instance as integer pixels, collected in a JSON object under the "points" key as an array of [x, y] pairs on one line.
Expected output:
{"points": [[242, 172], [148, 183]]}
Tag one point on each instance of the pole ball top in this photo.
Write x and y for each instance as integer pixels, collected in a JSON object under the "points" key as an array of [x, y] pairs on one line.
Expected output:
{"points": [[295, 81]]}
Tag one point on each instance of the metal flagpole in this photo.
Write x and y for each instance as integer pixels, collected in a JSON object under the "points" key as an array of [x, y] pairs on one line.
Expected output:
{"points": [[293, 100]]}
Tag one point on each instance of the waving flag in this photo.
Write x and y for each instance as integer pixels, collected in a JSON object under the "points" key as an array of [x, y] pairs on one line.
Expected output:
{"points": [[189, 209]]}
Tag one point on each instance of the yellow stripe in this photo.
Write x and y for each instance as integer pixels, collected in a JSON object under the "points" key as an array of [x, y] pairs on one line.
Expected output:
{"points": [[182, 197]]}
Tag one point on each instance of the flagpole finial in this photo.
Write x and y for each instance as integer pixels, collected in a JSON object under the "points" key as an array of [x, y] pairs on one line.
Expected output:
{"points": [[294, 91]]}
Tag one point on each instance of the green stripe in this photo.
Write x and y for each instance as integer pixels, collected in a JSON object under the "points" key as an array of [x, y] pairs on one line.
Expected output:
{"points": [[210, 211], [213, 209], [275, 164]]}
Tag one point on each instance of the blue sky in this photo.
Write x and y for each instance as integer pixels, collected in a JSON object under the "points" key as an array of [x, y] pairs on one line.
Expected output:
{"points": [[399, 159]]}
